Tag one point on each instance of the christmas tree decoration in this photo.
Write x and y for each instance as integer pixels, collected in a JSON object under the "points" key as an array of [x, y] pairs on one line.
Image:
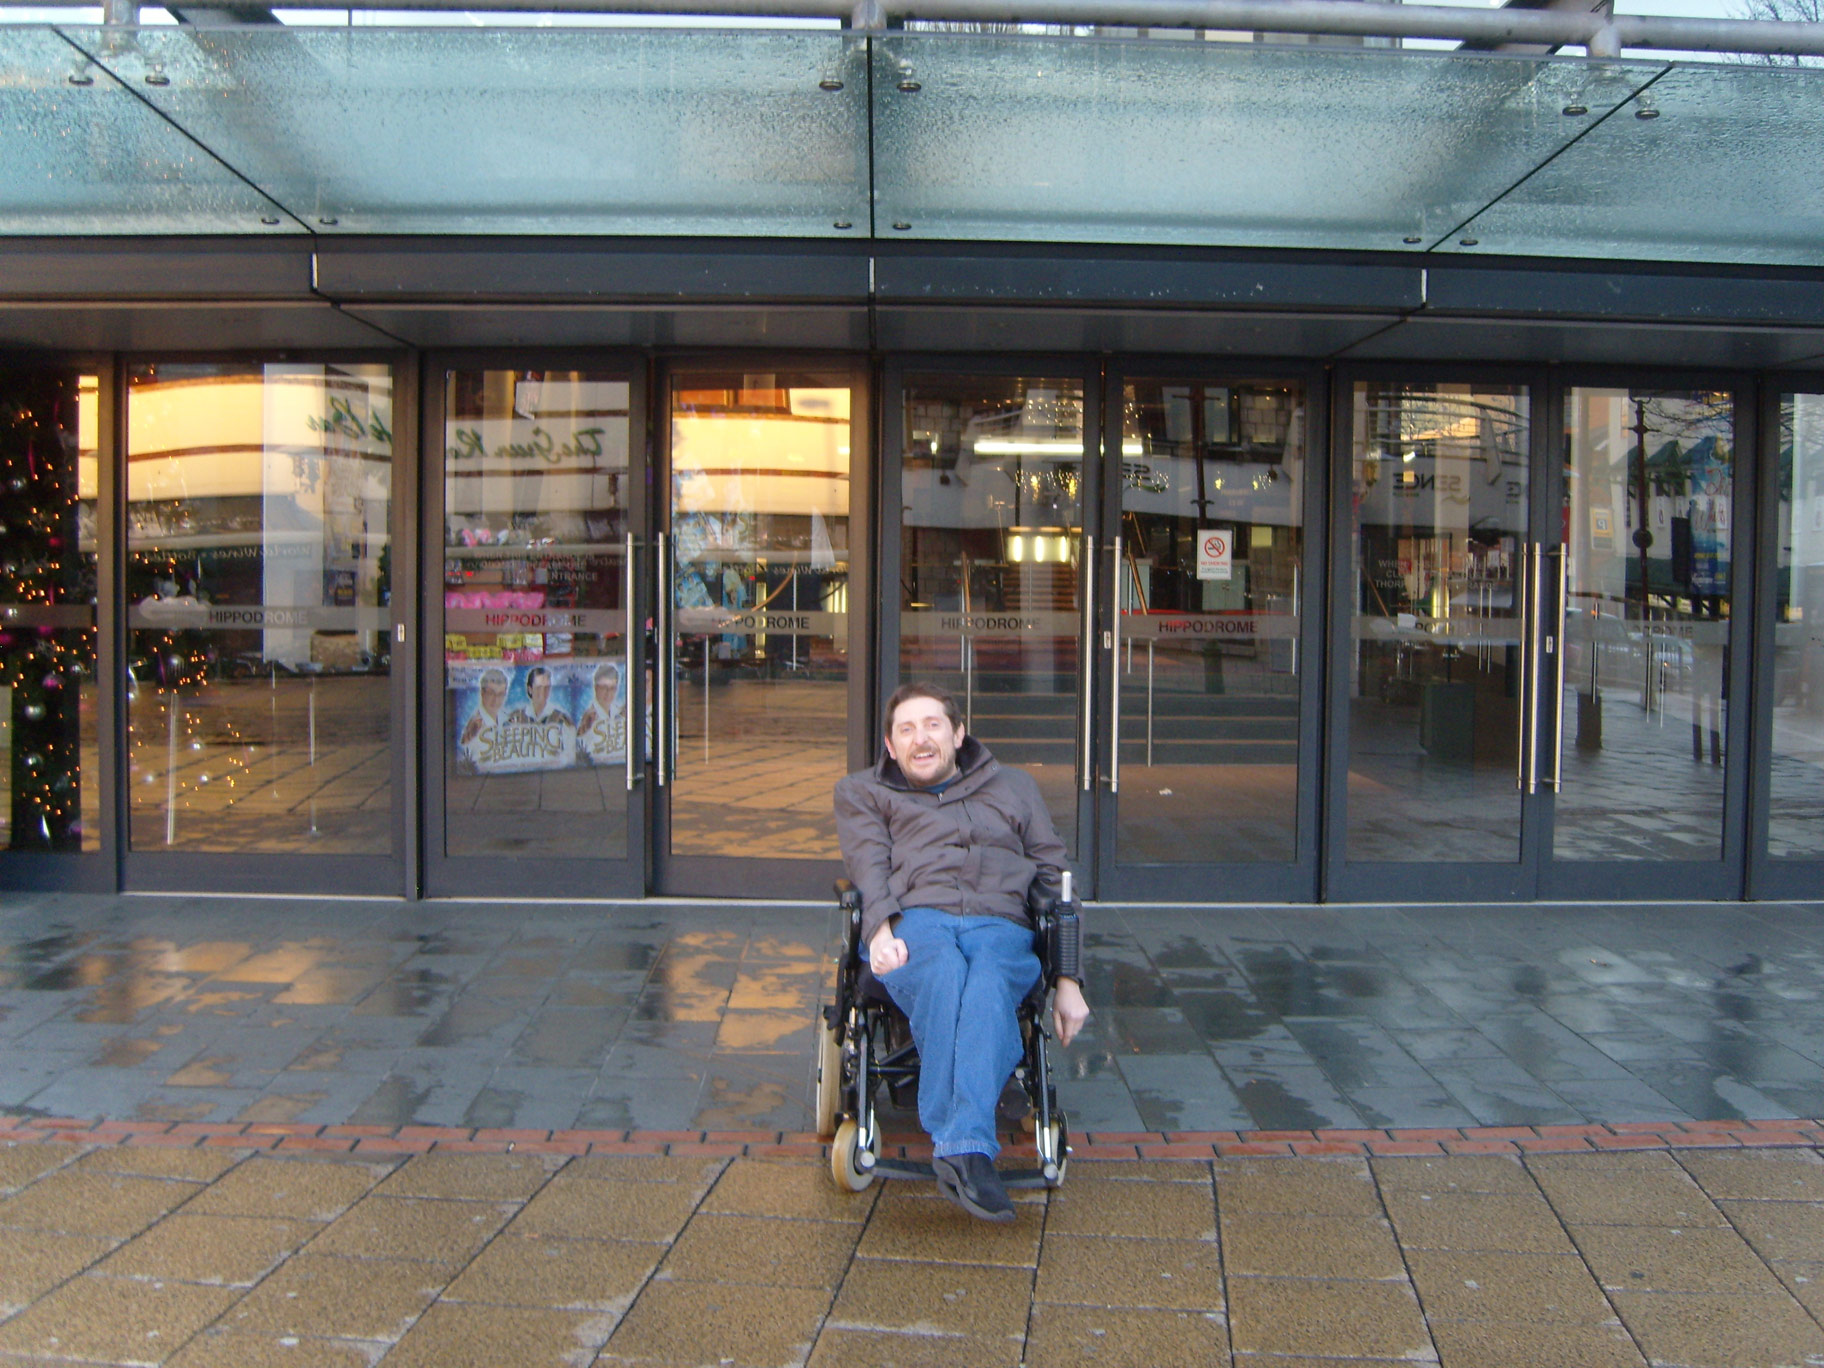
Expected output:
{"points": [[42, 567]]}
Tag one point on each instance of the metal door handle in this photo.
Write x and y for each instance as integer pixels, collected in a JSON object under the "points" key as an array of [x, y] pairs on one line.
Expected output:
{"points": [[632, 599], [1564, 557], [1535, 584], [662, 662], [1086, 751], [1522, 578], [1113, 639]]}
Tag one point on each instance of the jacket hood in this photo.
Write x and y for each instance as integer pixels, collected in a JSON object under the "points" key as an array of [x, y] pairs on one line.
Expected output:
{"points": [[972, 757]]}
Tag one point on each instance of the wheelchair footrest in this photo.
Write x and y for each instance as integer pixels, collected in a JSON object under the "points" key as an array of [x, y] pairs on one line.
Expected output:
{"points": [[919, 1168]]}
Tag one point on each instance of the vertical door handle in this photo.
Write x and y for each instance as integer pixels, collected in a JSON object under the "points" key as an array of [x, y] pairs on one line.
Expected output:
{"points": [[1535, 588], [1522, 580], [1113, 639], [631, 601], [661, 661], [1087, 652], [1563, 554]]}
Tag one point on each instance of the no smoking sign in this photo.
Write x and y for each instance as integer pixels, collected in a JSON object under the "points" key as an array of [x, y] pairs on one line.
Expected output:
{"points": [[1215, 553]]}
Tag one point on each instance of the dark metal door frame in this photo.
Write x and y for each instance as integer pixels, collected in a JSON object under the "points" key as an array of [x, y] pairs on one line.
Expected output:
{"points": [[1218, 881], [736, 876], [1794, 877], [150, 871], [1727, 876], [1416, 881], [97, 870], [1088, 371], [616, 873]]}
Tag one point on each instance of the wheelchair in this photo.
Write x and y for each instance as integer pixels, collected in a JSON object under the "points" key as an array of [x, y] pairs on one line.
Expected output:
{"points": [[865, 1042]]}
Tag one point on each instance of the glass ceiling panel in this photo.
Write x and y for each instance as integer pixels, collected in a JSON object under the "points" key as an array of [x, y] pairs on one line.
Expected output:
{"points": [[1233, 144], [1727, 168], [526, 130], [79, 159]]}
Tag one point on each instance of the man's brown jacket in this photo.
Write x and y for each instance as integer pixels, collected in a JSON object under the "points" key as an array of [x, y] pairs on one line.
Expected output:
{"points": [[973, 849]]}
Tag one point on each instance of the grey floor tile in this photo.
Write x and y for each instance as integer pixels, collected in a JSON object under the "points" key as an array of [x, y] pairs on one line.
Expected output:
{"points": [[1292, 1099]]}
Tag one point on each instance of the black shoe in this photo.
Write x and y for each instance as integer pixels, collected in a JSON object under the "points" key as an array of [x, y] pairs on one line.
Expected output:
{"points": [[970, 1181]]}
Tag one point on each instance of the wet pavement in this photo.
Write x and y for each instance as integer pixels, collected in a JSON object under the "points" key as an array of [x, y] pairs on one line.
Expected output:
{"points": [[666, 1016], [213, 1257], [247, 1132]]}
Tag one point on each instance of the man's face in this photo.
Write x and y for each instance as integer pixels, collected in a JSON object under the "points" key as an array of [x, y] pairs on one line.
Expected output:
{"points": [[538, 689], [604, 693], [493, 695], [923, 742]]}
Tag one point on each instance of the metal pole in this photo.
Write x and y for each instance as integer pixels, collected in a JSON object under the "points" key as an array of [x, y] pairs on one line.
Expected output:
{"points": [[313, 755], [1601, 35], [1149, 702], [171, 768]]}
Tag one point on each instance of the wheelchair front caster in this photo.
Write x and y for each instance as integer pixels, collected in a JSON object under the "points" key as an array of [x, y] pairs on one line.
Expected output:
{"points": [[1054, 1154], [851, 1166], [829, 1078]]}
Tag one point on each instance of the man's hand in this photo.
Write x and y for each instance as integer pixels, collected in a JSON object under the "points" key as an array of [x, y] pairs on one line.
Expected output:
{"points": [[1068, 1010], [886, 951]]}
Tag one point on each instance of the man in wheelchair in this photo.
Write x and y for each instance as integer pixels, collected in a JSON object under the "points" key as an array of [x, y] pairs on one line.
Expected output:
{"points": [[943, 845]]}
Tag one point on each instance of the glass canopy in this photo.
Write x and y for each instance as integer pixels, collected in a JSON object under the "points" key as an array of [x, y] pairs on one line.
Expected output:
{"points": [[934, 136]]}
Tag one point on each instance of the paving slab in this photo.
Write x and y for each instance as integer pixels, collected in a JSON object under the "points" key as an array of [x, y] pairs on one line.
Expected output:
{"points": [[228, 1251], [1117, 1271]]}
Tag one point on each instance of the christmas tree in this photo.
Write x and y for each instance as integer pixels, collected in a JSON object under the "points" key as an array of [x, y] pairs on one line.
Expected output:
{"points": [[42, 566]]}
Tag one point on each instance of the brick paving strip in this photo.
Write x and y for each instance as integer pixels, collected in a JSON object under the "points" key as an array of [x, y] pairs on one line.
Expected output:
{"points": [[759, 1144], [231, 1246]]}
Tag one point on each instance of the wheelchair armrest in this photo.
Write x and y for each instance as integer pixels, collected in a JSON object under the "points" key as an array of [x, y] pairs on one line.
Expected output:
{"points": [[848, 897]]}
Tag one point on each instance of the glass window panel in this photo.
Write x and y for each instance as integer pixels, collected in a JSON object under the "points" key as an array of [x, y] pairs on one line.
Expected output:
{"points": [[1440, 483], [258, 582], [760, 537], [92, 158], [1026, 138], [49, 756], [526, 130], [536, 683], [990, 565], [1795, 816], [1648, 497], [1747, 134], [1212, 487]]}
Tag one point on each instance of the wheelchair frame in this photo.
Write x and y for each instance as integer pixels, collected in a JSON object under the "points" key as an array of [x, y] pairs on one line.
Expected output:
{"points": [[858, 1053]]}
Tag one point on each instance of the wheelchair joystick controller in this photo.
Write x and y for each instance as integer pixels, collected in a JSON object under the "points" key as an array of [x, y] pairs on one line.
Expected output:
{"points": [[1066, 937]]}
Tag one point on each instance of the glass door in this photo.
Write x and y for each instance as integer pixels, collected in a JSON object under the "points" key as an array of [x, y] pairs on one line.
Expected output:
{"points": [[534, 774], [761, 662], [1434, 778], [1649, 796], [1208, 715], [995, 571], [260, 702], [1790, 846]]}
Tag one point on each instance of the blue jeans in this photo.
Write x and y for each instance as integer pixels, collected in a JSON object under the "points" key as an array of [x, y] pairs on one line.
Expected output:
{"points": [[961, 986]]}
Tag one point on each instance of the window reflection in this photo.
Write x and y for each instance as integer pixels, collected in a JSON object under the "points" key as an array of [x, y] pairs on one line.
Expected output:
{"points": [[1648, 521], [1795, 817], [536, 686], [258, 582], [1212, 482], [760, 527], [1440, 485], [990, 565]]}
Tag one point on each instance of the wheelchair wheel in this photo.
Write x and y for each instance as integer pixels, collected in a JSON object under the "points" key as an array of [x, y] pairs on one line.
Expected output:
{"points": [[849, 1174], [829, 1078]]}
